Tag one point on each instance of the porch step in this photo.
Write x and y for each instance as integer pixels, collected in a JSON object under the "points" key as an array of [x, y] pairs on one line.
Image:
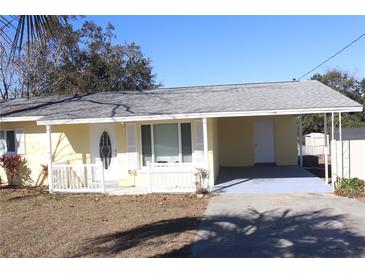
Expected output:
{"points": [[110, 186]]}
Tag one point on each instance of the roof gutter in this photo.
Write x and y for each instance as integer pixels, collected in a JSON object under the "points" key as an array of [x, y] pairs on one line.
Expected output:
{"points": [[20, 118], [198, 115]]}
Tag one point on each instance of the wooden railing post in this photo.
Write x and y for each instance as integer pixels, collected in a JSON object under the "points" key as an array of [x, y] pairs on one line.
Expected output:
{"points": [[149, 177], [102, 178]]}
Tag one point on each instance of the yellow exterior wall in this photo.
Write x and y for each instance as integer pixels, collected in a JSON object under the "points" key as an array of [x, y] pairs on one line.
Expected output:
{"points": [[124, 178], [70, 144], [121, 156], [286, 149], [236, 140]]}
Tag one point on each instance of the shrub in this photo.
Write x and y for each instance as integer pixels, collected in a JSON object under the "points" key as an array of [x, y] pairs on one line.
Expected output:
{"points": [[349, 187], [44, 171], [16, 169], [203, 176]]}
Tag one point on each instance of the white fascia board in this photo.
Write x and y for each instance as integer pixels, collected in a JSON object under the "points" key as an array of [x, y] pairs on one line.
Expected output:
{"points": [[20, 119], [199, 115]]}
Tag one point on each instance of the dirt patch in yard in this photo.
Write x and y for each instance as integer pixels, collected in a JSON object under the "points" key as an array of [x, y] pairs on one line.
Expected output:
{"points": [[38, 224], [361, 198]]}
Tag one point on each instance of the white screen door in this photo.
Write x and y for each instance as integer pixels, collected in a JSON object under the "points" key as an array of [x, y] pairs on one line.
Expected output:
{"points": [[264, 141]]}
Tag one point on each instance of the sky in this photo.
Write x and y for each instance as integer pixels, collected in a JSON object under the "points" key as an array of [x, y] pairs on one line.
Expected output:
{"points": [[207, 50]]}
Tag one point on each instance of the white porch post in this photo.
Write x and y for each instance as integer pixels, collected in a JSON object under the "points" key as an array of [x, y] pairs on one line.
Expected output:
{"points": [[340, 126], [332, 127], [50, 171], [300, 141], [205, 142], [332, 145], [149, 177], [341, 145], [325, 148]]}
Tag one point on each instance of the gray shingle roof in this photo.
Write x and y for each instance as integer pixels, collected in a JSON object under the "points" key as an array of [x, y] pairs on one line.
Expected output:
{"points": [[186, 100]]}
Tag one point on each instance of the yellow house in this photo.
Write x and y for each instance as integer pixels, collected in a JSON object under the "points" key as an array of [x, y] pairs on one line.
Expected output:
{"points": [[154, 141]]}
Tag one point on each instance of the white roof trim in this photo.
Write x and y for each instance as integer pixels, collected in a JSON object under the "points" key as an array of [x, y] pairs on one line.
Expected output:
{"points": [[20, 118], [199, 115]]}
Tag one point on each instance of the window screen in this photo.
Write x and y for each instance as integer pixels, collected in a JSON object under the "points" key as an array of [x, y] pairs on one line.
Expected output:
{"points": [[2, 142], [146, 144], [166, 143], [10, 141], [186, 149]]}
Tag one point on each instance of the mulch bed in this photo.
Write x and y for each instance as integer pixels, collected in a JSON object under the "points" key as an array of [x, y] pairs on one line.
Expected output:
{"points": [[35, 223]]}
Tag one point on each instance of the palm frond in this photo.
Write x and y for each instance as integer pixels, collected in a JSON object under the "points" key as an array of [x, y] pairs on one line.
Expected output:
{"points": [[30, 28]]}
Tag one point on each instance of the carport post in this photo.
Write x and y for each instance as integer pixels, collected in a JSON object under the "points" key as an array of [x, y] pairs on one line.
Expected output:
{"points": [[332, 145], [341, 145], [50, 171], [325, 148], [300, 141]]}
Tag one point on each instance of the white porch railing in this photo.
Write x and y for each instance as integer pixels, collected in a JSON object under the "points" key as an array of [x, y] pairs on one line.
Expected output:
{"points": [[171, 178], [78, 178]]}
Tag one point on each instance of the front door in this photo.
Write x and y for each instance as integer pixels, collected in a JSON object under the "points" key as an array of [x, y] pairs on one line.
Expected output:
{"points": [[264, 141], [105, 150]]}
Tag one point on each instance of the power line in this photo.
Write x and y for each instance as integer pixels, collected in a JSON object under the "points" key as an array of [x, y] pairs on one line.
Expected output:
{"points": [[334, 55]]}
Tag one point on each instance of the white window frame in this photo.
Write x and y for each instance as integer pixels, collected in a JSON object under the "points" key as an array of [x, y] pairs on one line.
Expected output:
{"points": [[151, 124], [6, 143]]}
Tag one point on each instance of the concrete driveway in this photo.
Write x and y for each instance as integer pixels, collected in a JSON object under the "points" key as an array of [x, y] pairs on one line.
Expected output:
{"points": [[270, 179], [282, 225]]}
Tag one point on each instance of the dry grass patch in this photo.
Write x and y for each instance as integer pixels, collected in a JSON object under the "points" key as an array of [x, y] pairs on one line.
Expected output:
{"points": [[36, 224]]}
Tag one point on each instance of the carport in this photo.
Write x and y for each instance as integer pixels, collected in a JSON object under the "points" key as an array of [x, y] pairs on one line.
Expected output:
{"points": [[268, 179]]}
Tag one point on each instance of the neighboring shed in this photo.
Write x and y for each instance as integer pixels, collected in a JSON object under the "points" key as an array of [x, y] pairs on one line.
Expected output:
{"points": [[314, 143], [351, 145]]}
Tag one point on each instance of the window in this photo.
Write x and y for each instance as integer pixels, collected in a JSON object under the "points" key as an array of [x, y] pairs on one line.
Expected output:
{"points": [[146, 144], [166, 143], [7, 141], [186, 148], [105, 149]]}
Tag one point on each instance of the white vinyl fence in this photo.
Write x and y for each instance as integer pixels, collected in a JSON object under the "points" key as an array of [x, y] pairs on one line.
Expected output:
{"points": [[171, 178], [78, 178], [348, 159]]}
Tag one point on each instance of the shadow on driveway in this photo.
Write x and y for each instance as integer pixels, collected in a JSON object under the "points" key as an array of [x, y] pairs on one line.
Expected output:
{"points": [[274, 233]]}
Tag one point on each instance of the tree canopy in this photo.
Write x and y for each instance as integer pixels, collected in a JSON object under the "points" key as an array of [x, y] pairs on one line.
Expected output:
{"points": [[350, 86], [73, 62]]}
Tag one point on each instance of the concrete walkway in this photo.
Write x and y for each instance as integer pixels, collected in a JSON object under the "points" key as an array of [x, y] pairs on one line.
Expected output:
{"points": [[274, 179], [282, 225]]}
